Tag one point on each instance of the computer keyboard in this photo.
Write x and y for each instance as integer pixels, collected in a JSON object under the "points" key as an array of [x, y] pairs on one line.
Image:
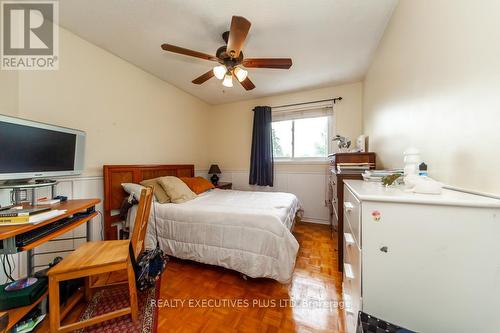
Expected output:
{"points": [[29, 237]]}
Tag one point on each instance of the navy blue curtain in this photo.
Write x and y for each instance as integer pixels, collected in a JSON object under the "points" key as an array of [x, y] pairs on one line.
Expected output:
{"points": [[261, 160]]}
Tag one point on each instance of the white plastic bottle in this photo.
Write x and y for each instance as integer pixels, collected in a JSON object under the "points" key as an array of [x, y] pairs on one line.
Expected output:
{"points": [[411, 161]]}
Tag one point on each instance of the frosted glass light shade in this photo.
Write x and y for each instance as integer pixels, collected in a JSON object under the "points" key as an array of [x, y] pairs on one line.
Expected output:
{"points": [[228, 81], [240, 73], [220, 71]]}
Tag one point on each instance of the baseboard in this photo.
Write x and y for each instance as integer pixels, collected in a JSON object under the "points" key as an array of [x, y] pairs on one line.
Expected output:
{"points": [[313, 220]]}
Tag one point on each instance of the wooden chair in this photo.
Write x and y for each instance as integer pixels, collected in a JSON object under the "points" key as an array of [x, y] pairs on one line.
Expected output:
{"points": [[97, 258]]}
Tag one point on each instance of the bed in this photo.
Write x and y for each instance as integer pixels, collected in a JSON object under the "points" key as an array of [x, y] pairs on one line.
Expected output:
{"points": [[249, 232]]}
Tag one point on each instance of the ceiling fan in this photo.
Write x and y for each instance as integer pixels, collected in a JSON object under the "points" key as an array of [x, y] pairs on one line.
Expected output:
{"points": [[230, 57]]}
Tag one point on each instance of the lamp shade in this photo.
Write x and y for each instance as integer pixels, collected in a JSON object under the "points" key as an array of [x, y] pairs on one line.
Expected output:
{"points": [[214, 169], [220, 71], [240, 73], [228, 81]]}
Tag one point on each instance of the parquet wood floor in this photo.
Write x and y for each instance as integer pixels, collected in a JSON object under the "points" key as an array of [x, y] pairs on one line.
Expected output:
{"points": [[315, 287], [315, 278]]}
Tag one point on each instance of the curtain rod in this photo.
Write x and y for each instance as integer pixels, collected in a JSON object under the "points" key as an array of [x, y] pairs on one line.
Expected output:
{"points": [[322, 100]]}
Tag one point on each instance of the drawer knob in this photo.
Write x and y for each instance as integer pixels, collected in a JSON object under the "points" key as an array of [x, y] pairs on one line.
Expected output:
{"points": [[349, 240], [348, 304], [349, 274], [348, 206], [384, 249]]}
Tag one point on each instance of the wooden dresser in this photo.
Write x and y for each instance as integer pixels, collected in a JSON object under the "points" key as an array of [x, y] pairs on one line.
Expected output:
{"points": [[336, 193]]}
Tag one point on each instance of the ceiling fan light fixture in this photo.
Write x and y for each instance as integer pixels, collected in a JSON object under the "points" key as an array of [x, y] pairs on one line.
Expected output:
{"points": [[229, 60], [240, 73], [228, 81], [220, 71]]}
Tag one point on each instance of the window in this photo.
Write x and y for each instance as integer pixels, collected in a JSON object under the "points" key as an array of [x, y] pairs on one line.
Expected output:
{"points": [[282, 138], [301, 134]]}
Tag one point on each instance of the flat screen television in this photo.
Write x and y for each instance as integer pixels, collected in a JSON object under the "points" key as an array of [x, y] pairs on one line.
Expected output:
{"points": [[30, 149]]}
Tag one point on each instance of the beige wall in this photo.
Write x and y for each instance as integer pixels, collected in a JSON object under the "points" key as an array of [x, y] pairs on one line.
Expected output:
{"points": [[435, 84], [129, 115], [9, 92], [231, 124]]}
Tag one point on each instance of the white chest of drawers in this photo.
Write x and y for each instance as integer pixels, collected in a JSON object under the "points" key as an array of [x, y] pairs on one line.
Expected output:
{"points": [[430, 263]]}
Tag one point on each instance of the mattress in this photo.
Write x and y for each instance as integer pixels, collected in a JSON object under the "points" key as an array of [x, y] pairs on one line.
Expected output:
{"points": [[249, 232]]}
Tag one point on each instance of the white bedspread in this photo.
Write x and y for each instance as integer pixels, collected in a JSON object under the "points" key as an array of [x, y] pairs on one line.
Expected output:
{"points": [[245, 231]]}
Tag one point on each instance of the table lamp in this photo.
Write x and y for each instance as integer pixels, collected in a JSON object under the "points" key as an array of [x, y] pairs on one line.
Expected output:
{"points": [[214, 170]]}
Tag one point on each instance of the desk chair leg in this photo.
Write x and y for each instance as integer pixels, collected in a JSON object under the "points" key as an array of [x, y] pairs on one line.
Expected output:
{"points": [[54, 310], [88, 288], [134, 310]]}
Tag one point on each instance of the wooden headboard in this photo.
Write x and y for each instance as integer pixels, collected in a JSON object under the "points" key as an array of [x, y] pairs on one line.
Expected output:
{"points": [[115, 175]]}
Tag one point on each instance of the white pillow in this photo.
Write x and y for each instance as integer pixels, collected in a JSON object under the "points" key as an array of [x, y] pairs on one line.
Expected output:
{"points": [[134, 189]]}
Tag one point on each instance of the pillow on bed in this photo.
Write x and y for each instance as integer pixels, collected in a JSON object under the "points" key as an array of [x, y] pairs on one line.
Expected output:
{"points": [[198, 184], [160, 194], [176, 189], [134, 189]]}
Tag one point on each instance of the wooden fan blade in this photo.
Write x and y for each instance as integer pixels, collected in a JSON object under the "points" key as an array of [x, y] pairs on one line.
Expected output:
{"points": [[202, 78], [279, 63], [237, 35], [188, 52], [247, 84]]}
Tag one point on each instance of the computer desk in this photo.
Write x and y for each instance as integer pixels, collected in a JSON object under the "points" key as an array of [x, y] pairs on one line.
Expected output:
{"points": [[8, 235]]}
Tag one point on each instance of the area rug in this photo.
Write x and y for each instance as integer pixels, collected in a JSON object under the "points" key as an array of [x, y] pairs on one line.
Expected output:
{"points": [[115, 298]]}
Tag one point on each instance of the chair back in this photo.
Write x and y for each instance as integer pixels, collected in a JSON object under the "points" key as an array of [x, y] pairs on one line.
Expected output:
{"points": [[141, 221]]}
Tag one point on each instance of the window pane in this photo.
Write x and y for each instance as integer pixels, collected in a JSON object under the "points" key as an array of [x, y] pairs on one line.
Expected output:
{"points": [[282, 138], [311, 137]]}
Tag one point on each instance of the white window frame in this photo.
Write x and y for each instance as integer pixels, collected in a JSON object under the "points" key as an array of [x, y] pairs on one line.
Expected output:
{"points": [[311, 160]]}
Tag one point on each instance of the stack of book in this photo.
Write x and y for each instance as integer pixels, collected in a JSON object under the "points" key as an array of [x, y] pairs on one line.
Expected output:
{"points": [[377, 175], [17, 216], [354, 168]]}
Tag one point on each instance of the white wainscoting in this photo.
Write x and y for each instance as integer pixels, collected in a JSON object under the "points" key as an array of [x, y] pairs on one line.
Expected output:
{"points": [[309, 187]]}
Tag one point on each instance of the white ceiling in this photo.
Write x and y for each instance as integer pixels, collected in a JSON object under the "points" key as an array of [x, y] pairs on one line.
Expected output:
{"points": [[329, 41]]}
